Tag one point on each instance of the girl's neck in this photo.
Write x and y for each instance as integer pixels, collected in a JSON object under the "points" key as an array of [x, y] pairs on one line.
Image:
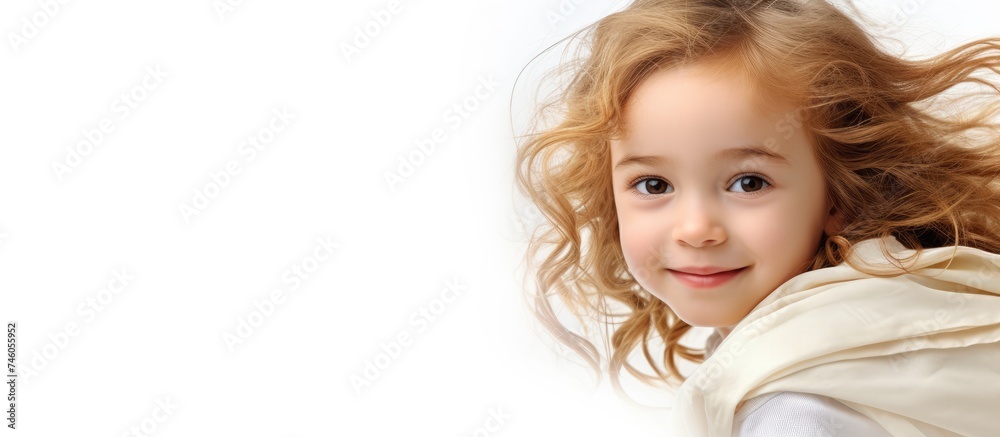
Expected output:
{"points": [[724, 331]]}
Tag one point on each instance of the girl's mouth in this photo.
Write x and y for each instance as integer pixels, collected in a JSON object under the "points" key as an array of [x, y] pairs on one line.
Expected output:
{"points": [[706, 281]]}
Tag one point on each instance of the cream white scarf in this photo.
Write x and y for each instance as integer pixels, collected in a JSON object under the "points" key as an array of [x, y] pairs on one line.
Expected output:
{"points": [[918, 353]]}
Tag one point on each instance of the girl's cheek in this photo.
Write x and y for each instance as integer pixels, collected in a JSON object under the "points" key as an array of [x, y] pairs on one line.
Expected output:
{"points": [[784, 234], [639, 250], [630, 250], [763, 232]]}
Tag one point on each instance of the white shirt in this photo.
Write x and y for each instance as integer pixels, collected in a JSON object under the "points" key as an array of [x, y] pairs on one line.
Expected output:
{"points": [[793, 414]]}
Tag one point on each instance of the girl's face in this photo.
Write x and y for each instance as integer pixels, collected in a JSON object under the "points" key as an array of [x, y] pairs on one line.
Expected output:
{"points": [[705, 183]]}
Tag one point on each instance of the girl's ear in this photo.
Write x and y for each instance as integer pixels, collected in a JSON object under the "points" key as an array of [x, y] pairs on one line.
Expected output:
{"points": [[834, 222]]}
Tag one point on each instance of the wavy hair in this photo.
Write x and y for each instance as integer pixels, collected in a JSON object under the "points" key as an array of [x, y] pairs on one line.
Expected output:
{"points": [[902, 152]]}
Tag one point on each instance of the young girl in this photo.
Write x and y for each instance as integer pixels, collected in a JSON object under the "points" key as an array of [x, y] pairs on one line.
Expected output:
{"points": [[765, 169]]}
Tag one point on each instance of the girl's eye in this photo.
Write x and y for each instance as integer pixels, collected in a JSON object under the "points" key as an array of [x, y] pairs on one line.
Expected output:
{"points": [[652, 186], [749, 184]]}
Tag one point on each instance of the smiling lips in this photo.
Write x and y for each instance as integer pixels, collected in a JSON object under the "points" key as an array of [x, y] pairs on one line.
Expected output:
{"points": [[705, 277]]}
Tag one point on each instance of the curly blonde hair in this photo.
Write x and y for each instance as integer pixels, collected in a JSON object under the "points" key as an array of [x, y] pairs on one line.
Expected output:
{"points": [[899, 157]]}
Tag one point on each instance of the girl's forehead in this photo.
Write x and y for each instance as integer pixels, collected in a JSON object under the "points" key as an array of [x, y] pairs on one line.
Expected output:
{"points": [[700, 94], [690, 85], [707, 121], [705, 116]]}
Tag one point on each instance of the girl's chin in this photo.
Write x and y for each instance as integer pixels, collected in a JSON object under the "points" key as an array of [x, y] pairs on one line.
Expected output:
{"points": [[707, 321]]}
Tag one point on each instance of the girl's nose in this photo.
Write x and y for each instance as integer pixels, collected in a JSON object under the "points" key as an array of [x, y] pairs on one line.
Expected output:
{"points": [[697, 224]]}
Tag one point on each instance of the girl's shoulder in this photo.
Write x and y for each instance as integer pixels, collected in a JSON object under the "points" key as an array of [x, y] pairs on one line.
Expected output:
{"points": [[801, 414]]}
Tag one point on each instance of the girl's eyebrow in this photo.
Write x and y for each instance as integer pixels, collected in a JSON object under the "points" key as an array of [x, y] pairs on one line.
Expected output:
{"points": [[734, 153]]}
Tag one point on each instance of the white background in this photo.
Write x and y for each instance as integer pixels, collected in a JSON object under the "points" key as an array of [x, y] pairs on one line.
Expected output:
{"points": [[161, 340]]}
